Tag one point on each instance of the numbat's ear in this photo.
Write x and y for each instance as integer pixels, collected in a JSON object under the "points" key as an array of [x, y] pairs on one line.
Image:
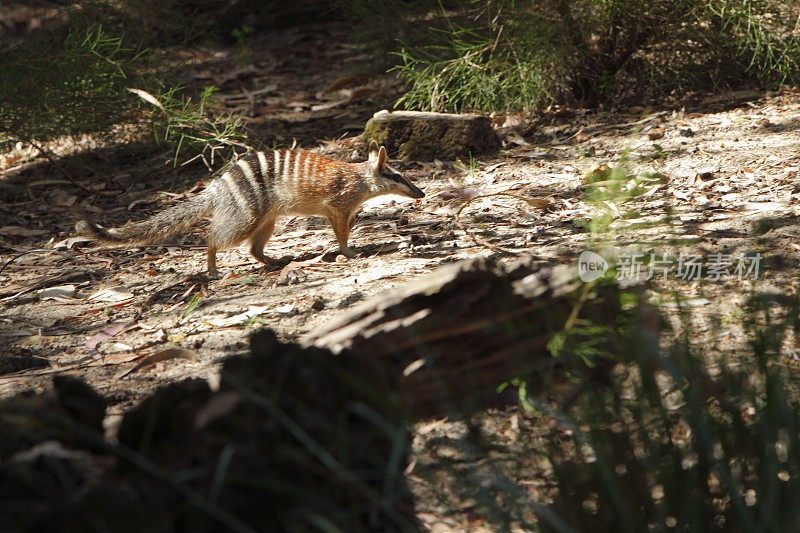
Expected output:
{"points": [[381, 157], [373, 151]]}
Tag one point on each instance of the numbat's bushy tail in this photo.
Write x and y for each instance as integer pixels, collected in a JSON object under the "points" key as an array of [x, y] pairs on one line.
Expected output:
{"points": [[176, 219], [246, 199]]}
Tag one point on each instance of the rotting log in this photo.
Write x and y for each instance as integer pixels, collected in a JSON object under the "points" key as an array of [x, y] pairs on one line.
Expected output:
{"points": [[449, 339], [428, 136]]}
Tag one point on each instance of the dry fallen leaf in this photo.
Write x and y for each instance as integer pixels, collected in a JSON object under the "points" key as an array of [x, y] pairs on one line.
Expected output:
{"points": [[61, 293], [65, 201], [94, 340], [115, 359], [362, 92], [147, 97], [655, 133], [10, 159], [329, 105], [540, 203], [134, 203], [241, 318], [597, 172], [285, 309], [294, 270], [344, 82], [70, 242], [32, 340], [157, 357], [215, 408], [110, 294], [119, 347]]}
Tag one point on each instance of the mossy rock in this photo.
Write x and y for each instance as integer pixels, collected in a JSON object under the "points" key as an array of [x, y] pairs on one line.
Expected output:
{"points": [[428, 136]]}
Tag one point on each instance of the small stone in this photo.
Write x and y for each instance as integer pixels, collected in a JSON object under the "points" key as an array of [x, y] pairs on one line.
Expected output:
{"points": [[655, 133], [285, 309], [706, 176]]}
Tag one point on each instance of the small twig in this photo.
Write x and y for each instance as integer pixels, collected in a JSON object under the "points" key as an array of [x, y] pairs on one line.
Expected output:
{"points": [[48, 251], [46, 154], [480, 240], [139, 312], [27, 374]]}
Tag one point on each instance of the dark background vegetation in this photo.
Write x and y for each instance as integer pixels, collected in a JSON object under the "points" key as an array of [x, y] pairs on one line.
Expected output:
{"points": [[69, 74]]}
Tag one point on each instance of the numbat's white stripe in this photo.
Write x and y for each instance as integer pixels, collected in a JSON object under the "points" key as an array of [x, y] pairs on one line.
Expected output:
{"points": [[306, 167], [238, 197], [248, 172], [287, 165], [250, 176], [276, 162], [262, 165]]}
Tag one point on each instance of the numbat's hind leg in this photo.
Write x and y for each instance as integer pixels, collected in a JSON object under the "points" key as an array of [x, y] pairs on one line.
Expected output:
{"points": [[212, 260], [259, 238], [225, 234]]}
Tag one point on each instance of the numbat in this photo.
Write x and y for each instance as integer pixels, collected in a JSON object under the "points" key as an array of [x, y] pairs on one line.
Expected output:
{"points": [[244, 202]]}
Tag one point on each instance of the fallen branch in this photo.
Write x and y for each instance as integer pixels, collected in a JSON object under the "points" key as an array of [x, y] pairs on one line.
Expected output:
{"points": [[533, 202]]}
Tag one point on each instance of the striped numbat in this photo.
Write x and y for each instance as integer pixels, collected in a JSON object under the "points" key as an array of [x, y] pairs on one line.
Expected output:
{"points": [[244, 202]]}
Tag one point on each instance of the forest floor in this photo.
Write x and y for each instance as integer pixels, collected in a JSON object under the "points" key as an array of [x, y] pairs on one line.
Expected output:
{"points": [[730, 165]]}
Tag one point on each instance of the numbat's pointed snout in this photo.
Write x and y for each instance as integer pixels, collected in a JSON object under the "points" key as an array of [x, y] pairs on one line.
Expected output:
{"points": [[416, 192]]}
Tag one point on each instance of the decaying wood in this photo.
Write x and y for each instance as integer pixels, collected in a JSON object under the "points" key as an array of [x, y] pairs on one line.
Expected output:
{"points": [[451, 338], [428, 136]]}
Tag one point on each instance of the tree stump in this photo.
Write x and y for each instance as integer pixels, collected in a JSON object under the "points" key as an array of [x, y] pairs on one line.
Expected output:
{"points": [[429, 136]]}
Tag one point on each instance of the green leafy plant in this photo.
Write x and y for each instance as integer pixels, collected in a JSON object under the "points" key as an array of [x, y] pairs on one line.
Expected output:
{"points": [[469, 169], [500, 55], [79, 78], [244, 56], [484, 70], [193, 303], [182, 123], [68, 86], [667, 444]]}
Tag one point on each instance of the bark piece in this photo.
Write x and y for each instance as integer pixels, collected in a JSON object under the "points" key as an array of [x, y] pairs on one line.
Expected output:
{"points": [[451, 338], [429, 136]]}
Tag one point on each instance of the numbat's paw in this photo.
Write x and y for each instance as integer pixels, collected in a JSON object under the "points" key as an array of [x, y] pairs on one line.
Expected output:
{"points": [[347, 252]]}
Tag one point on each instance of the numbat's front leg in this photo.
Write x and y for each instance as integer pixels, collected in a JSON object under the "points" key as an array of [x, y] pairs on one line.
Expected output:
{"points": [[341, 228]]}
